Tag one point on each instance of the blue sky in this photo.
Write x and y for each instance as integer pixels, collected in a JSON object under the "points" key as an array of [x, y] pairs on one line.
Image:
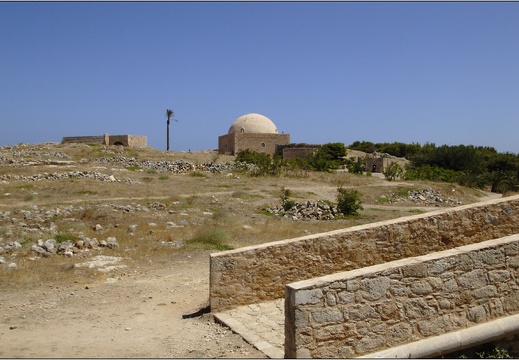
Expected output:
{"points": [[440, 72]]}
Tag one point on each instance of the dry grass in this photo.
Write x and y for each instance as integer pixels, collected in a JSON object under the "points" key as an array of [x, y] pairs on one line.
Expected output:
{"points": [[212, 212]]}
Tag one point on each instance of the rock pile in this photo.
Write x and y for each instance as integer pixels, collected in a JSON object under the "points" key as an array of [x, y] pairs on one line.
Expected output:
{"points": [[430, 197], [69, 248], [310, 210], [423, 197], [175, 166]]}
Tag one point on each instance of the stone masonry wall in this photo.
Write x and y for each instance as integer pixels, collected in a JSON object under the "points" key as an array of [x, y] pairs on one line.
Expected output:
{"points": [[365, 310], [298, 152], [83, 139], [265, 143], [259, 273], [136, 141]]}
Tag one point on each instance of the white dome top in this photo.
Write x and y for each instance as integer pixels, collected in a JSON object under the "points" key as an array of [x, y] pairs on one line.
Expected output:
{"points": [[253, 124]]}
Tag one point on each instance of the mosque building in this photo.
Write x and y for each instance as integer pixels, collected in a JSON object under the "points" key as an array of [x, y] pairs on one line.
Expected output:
{"points": [[252, 131]]}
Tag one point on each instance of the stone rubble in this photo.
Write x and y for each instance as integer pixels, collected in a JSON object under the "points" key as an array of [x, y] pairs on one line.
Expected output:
{"points": [[423, 197], [66, 175], [175, 166], [310, 210]]}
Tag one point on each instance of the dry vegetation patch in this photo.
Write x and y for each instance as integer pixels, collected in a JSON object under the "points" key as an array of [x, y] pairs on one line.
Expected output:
{"points": [[157, 220]]}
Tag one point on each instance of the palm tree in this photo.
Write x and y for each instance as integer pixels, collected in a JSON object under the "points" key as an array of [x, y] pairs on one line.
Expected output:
{"points": [[169, 115]]}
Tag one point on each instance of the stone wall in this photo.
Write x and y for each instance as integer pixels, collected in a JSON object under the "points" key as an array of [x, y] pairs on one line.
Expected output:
{"points": [[259, 273], [298, 152], [134, 141], [374, 308], [84, 139], [125, 140], [264, 143]]}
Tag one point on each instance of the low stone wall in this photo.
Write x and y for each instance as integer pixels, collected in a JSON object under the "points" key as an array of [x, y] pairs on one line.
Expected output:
{"points": [[255, 274], [135, 141], [370, 309], [84, 139], [290, 153]]}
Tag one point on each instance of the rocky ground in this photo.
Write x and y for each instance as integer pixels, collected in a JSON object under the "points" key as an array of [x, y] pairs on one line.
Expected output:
{"points": [[93, 256]]}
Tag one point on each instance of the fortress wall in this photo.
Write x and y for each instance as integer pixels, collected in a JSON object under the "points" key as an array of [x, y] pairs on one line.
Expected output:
{"points": [[358, 312], [84, 139], [259, 273]]}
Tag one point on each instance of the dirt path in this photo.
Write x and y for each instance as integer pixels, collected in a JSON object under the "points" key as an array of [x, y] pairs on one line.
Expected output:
{"points": [[134, 313]]}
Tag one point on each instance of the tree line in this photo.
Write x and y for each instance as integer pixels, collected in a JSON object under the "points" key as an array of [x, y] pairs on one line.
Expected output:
{"points": [[467, 165]]}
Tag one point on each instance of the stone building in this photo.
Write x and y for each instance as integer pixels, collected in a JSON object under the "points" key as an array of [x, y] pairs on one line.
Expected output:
{"points": [[252, 131], [378, 162], [135, 141]]}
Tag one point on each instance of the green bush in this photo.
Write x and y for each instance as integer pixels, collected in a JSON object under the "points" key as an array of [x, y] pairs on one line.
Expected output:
{"points": [[348, 201], [393, 171], [264, 164], [356, 166], [328, 157]]}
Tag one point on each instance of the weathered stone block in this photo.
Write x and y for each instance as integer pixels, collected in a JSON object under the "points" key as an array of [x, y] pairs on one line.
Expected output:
{"points": [[363, 312], [485, 293], [326, 315], [374, 289], [476, 314], [421, 287], [430, 327], [312, 296], [345, 297], [472, 280], [498, 276], [331, 300], [389, 311], [415, 270], [418, 309], [369, 343], [399, 333]]}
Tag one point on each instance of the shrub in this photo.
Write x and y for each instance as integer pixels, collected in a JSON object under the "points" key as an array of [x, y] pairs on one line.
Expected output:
{"points": [[348, 201], [211, 239], [61, 237], [285, 201], [393, 171], [264, 164], [329, 156], [357, 165]]}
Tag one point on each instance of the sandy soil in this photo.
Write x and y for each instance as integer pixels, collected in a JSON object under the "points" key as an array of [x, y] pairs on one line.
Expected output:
{"points": [[134, 313]]}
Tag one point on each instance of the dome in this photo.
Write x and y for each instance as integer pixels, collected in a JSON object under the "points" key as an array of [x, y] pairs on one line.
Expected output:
{"points": [[253, 124]]}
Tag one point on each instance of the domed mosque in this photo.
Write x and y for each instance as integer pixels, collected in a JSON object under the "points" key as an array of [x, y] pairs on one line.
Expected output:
{"points": [[252, 131]]}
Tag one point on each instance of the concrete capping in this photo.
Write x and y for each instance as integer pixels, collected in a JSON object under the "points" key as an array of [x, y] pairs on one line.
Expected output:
{"points": [[453, 341]]}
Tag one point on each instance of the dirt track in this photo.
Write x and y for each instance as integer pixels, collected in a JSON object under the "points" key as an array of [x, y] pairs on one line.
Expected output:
{"points": [[134, 313]]}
